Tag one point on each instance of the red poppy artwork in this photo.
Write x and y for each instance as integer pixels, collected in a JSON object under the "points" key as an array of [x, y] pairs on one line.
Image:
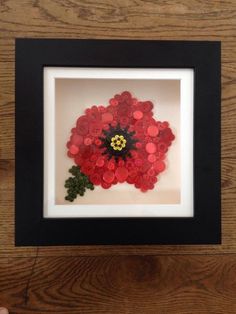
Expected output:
{"points": [[117, 143]]}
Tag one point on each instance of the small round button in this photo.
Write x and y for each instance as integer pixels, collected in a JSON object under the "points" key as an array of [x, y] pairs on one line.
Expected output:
{"points": [[137, 115], [100, 162], [87, 141], [152, 130], [107, 117], [74, 149], [121, 174], [151, 148], [95, 178], [77, 139], [159, 166], [108, 176], [113, 102], [95, 128], [152, 158]]}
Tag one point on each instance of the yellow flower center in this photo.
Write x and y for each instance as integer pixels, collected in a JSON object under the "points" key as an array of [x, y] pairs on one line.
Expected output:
{"points": [[118, 142]]}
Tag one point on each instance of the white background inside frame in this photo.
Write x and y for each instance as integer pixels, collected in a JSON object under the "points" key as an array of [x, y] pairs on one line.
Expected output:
{"points": [[184, 207]]}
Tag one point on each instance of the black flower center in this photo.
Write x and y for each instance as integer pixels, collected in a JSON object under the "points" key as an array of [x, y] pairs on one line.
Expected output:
{"points": [[118, 142]]}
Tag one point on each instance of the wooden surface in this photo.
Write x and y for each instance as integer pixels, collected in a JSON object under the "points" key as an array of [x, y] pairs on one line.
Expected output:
{"points": [[118, 279]]}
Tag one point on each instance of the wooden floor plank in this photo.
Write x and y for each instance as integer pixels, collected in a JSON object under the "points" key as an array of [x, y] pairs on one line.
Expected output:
{"points": [[131, 284]]}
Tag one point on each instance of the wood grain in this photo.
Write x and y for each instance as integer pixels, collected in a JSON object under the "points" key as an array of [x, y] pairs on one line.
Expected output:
{"points": [[118, 279], [134, 284]]}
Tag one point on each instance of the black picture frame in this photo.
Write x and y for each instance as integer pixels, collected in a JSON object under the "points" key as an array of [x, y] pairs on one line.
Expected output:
{"points": [[31, 228]]}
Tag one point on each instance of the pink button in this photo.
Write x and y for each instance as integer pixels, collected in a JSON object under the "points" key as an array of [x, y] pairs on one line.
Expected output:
{"points": [[151, 148], [137, 115], [74, 149], [152, 130]]}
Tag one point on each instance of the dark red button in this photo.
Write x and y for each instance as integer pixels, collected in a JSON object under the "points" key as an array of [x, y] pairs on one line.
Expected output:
{"points": [[162, 147], [95, 178], [147, 106], [95, 128], [126, 95]]}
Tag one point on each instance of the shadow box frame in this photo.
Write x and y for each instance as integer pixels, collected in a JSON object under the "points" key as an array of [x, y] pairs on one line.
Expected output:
{"points": [[32, 228]]}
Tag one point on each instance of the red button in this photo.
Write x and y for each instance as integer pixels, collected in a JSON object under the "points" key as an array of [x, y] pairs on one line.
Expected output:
{"points": [[101, 109], [151, 148], [152, 158], [113, 102], [111, 165], [121, 163], [76, 139], [108, 176], [159, 166], [74, 149], [138, 162], [124, 120], [106, 185], [87, 141], [138, 145], [121, 174], [162, 147], [100, 162], [106, 126], [126, 95], [151, 172], [95, 128], [93, 157], [98, 142], [114, 123], [87, 168], [95, 179], [107, 117], [152, 130], [134, 101], [147, 106], [137, 115], [82, 127]]}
